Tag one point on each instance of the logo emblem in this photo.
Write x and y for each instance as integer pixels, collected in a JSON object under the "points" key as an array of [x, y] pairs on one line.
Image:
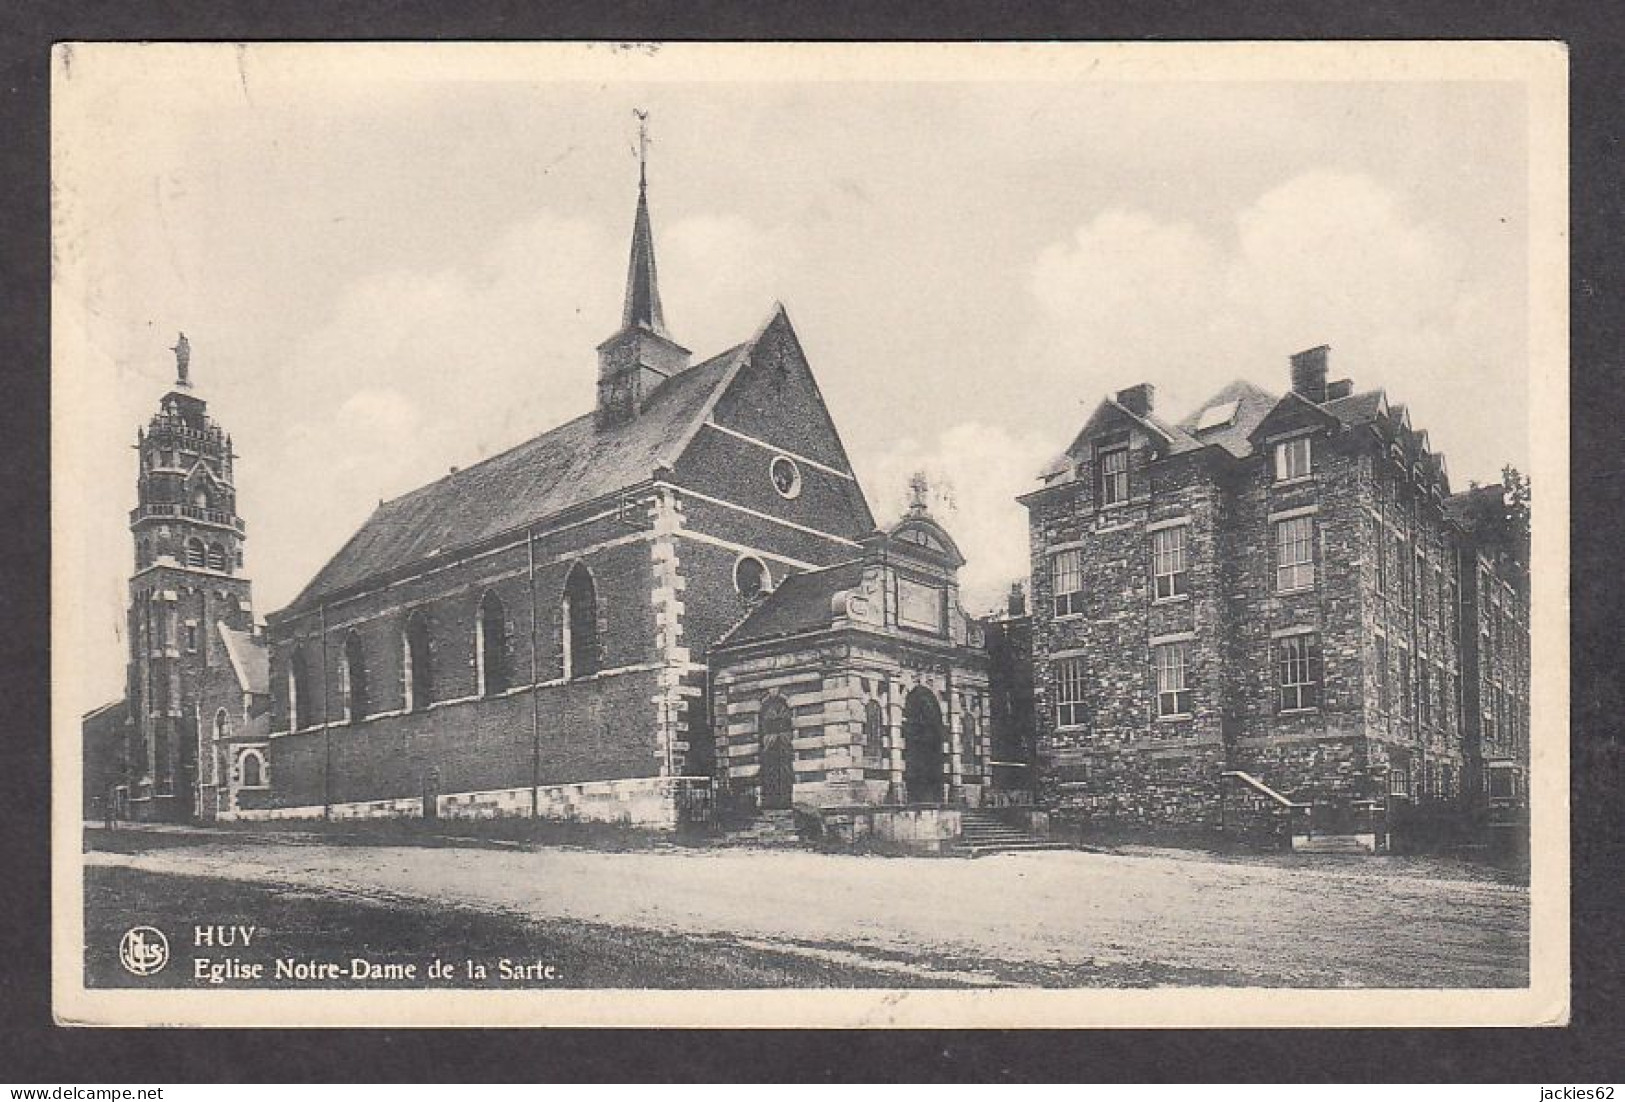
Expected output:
{"points": [[143, 950]]}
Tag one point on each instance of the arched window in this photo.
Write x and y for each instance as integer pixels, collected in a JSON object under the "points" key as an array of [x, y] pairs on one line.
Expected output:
{"points": [[775, 729], [217, 557], [973, 749], [418, 663], [200, 498], [751, 578], [195, 554], [222, 725], [580, 617], [874, 729], [354, 683], [491, 646], [253, 767], [299, 702]]}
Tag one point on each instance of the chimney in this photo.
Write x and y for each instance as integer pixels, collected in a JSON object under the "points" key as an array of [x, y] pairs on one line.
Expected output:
{"points": [[1309, 374], [1017, 604], [1342, 388], [1138, 399]]}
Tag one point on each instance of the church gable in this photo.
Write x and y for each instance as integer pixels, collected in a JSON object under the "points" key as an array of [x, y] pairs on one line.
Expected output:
{"points": [[775, 398], [770, 445]]}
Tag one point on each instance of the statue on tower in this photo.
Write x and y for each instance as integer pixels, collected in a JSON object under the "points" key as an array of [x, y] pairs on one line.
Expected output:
{"points": [[183, 362]]}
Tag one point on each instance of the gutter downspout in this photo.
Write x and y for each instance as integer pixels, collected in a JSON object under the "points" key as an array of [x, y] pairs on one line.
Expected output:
{"points": [[327, 728], [535, 679]]}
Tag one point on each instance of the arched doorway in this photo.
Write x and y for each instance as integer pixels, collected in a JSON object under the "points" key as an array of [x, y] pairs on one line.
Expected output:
{"points": [[922, 747], [778, 754]]}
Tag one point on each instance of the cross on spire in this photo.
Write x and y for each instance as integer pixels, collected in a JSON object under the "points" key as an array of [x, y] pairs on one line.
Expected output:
{"points": [[918, 489]]}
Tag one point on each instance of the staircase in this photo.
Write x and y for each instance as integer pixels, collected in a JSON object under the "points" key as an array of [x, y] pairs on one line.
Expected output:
{"points": [[1333, 843], [984, 833], [776, 829]]}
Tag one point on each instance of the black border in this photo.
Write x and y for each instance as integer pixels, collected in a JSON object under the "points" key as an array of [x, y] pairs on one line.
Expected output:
{"points": [[32, 1049]]}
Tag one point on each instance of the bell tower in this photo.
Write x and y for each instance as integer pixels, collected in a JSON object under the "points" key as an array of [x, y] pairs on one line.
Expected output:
{"points": [[641, 355], [188, 581]]}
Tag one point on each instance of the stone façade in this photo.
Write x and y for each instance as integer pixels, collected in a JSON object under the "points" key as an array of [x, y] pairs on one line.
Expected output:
{"points": [[1385, 606]]}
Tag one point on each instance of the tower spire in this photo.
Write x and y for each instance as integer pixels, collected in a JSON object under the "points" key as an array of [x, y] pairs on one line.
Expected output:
{"points": [[642, 307]]}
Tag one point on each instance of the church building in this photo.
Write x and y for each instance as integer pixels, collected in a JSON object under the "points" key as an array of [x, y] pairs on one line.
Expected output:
{"points": [[530, 636]]}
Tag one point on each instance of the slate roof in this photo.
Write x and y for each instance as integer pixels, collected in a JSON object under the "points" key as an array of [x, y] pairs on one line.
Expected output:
{"points": [[801, 603], [250, 659], [574, 463], [1356, 409], [1253, 404]]}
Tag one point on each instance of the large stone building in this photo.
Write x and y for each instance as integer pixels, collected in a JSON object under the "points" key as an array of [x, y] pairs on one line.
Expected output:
{"points": [[1255, 617], [530, 635], [188, 737]]}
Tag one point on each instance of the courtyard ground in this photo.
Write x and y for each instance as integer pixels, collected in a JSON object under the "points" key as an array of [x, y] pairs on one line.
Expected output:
{"points": [[672, 916]]}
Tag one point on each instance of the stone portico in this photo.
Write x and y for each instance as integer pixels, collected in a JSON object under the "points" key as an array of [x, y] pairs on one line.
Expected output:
{"points": [[861, 685]]}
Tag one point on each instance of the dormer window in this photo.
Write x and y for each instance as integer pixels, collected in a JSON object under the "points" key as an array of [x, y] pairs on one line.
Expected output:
{"points": [[1114, 476], [1293, 459]]}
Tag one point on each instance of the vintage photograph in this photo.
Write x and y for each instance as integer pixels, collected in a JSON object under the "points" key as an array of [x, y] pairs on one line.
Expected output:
{"points": [[1065, 534]]}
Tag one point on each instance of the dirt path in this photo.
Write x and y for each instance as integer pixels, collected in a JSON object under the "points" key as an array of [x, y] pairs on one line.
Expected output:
{"points": [[1338, 922]]}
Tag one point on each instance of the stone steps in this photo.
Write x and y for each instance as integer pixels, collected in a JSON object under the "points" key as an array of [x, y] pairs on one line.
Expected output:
{"points": [[1332, 843], [769, 828], [982, 833]]}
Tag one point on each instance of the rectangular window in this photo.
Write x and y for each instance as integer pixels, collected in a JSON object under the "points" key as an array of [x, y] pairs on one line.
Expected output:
{"points": [[1292, 459], [1298, 672], [1168, 561], [1066, 574], [1113, 476], [191, 638], [1294, 554], [1399, 781], [1069, 682], [1407, 698], [1424, 693], [1422, 591], [1173, 692], [1383, 698]]}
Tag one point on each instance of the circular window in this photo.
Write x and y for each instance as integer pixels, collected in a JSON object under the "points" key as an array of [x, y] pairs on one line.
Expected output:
{"points": [[786, 476], [751, 578]]}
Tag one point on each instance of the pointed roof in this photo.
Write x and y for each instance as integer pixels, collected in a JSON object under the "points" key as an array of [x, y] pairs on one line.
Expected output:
{"points": [[577, 462], [642, 307], [800, 603], [1251, 404], [250, 660]]}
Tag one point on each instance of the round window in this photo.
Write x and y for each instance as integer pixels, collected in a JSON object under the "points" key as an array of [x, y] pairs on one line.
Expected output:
{"points": [[750, 578], [786, 476]]}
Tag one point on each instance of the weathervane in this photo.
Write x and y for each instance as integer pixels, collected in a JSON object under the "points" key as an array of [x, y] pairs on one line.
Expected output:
{"points": [[643, 146]]}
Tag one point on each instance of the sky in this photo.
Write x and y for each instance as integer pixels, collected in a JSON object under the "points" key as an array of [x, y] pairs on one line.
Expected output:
{"points": [[389, 268]]}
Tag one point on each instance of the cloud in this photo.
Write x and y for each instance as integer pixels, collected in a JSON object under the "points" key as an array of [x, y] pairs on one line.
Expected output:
{"points": [[1321, 258], [975, 471]]}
